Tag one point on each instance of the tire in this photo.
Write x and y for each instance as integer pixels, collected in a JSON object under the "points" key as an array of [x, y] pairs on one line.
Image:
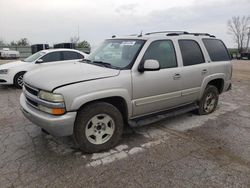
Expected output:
{"points": [[209, 100], [18, 80], [98, 127]]}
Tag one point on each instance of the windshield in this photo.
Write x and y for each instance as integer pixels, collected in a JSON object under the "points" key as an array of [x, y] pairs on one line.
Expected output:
{"points": [[34, 57], [119, 53]]}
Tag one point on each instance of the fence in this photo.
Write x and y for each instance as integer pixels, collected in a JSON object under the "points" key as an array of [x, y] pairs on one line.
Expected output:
{"points": [[25, 51]]}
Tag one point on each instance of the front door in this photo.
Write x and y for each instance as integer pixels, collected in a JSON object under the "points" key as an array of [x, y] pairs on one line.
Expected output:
{"points": [[155, 91]]}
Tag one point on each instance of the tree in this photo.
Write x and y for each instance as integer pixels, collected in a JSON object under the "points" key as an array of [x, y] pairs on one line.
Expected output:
{"points": [[84, 44], [2, 43], [13, 43], [238, 28], [23, 42]]}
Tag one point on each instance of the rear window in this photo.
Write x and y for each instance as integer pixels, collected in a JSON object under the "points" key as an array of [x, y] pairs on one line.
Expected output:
{"points": [[191, 52], [216, 50], [68, 55]]}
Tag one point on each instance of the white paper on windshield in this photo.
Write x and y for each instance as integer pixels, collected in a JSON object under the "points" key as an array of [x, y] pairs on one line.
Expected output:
{"points": [[128, 43]]}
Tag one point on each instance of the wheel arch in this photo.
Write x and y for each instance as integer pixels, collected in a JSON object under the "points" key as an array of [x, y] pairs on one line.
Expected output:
{"points": [[216, 80], [117, 101]]}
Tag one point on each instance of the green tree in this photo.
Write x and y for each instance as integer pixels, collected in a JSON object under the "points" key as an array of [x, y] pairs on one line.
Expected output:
{"points": [[84, 44]]}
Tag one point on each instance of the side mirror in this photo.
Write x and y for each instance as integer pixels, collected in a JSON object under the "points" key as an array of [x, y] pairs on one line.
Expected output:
{"points": [[39, 61], [149, 65]]}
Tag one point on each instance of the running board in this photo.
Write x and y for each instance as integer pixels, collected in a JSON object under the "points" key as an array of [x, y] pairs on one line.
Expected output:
{"points": [[141, 121]]}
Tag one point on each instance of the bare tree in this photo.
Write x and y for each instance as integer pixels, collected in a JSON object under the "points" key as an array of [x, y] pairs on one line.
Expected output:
{"points": [[238, 28]]}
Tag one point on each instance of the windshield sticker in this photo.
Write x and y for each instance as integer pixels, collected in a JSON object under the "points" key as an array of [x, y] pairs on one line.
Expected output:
{"points": [[128, 43]]}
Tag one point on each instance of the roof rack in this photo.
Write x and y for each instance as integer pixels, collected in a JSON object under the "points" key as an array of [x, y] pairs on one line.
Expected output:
{"points": [[176, 33], [202, 34], [167, 32]]}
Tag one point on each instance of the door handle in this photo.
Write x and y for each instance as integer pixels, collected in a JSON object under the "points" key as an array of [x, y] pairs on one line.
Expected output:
{"points": [[176, 76], [204, 71]]}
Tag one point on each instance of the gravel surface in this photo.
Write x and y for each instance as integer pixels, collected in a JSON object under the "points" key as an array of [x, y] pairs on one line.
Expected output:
{"points": [[183, 151]]}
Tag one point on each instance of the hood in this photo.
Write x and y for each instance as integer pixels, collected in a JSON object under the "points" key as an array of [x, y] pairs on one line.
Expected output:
{"points": [[53, 76], [13, 64]]}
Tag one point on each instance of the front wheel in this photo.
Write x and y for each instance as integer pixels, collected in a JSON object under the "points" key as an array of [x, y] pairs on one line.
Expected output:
{"points": [[209, 100], [18, 80], [98, 127]]}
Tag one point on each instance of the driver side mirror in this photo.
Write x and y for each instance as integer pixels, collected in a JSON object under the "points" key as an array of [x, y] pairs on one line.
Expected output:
{"points": [[39, 61], [149, 65]]}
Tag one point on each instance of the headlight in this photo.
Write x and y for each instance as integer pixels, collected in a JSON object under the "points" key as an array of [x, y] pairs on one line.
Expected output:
{"points": [[52, 97], [4, 71]]}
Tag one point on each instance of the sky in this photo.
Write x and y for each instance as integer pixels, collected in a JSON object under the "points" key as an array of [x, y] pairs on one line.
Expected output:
{"points": [[55, 21]]}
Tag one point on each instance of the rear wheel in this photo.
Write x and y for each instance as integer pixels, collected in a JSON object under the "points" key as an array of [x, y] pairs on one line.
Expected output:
{"points": [[98, 127], [18, 80], [209, 100]]}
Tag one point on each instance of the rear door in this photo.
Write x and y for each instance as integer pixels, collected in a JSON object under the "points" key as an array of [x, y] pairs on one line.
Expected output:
{"points": [[52, 57], [195, 69]]}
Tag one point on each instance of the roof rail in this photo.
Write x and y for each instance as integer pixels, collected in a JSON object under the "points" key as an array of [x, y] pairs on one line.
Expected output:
{"points": [[167, 32], [202, 34]]}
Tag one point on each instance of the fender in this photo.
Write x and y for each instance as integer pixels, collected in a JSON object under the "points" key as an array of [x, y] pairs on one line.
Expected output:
{"points": [[83, 99], [209, 78]]}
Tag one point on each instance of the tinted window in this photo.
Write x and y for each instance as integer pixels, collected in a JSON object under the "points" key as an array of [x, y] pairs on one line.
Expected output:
{"points": [[53, 56], [71, 55], [216, 50], [162, 51], [80, 56], [191, 52]]}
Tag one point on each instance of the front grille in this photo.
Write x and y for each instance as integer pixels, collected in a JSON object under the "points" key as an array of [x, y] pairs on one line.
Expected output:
{"points": [[31, 90], [30, 94], [32, 103]]}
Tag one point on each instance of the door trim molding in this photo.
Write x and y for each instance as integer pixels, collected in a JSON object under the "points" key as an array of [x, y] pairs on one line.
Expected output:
{"points": [[156, 98]]}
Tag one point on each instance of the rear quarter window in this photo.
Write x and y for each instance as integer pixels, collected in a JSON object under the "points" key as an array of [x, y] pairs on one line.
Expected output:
{"points": [[216, 50]]}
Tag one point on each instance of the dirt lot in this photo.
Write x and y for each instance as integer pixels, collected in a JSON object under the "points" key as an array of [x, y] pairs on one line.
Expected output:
{"points": [[184, 151]]}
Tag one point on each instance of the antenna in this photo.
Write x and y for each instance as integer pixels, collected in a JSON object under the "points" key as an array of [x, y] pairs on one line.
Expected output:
{"points": [[140, 35]]}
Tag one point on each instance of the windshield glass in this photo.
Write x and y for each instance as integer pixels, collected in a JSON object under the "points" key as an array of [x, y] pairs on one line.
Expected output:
{"points": [[34, 57], [119, 53]]}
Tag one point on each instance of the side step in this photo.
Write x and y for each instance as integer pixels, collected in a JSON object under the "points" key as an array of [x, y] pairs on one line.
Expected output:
{"points": [[149, 119]]}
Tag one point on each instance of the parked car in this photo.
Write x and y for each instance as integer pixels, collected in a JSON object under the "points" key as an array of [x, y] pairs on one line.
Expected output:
{"points": [[134, 80], [6, 53], [12, 73]]}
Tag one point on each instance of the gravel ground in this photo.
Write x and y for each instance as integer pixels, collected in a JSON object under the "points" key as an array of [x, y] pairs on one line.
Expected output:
{"points": [[183, 151]]}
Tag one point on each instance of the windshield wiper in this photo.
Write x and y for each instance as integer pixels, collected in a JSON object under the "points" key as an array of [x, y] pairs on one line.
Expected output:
{"points": [[105, 64], [99, 63]]}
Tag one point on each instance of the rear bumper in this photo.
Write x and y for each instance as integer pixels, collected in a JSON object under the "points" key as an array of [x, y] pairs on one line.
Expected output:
{"points": [[55, 125], [227, 86]]}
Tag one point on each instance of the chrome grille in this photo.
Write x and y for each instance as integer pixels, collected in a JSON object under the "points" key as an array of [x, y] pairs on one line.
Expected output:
{"points": [[31, 90]]}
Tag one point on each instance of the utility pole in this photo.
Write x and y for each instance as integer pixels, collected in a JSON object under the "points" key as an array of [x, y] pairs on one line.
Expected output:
{"points": [[248, 38]]}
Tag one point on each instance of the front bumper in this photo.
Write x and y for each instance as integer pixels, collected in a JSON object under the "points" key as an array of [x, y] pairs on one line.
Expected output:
{"points": [[6, 79], [55, 125]]}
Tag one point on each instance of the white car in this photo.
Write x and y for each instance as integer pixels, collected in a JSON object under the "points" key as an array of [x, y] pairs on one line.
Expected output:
{"points": [[6, 53], [12, 73]]}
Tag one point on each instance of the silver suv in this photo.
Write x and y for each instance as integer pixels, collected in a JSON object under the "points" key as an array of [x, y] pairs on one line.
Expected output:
{"points": [[132, 80]]}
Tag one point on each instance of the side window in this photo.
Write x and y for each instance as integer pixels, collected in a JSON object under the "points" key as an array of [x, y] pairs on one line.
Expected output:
{"points": [[162, 51], [80, 56], [53, 56], [216, 50], [67, 55], [191, 52]]}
